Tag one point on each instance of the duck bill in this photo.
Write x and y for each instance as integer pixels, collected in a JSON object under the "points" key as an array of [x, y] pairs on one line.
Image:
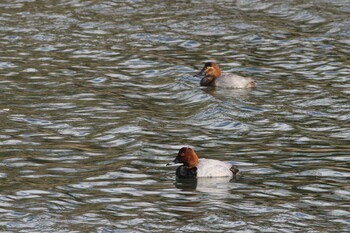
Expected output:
{"points": [[201, 73], [176, 161]]}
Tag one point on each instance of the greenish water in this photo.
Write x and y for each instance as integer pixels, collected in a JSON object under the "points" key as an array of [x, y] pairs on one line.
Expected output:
{"points": [[97, 96]]}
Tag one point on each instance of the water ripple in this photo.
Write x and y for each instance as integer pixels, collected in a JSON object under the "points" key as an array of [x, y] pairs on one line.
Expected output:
{"points": [[98, 96]]}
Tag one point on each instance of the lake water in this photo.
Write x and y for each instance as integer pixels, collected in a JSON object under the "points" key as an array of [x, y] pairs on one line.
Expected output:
{"points": [[97, 96]]}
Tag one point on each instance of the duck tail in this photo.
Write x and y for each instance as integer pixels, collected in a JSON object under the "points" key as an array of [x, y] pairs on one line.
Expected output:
{"points": [[251, 84], [234, 170]]}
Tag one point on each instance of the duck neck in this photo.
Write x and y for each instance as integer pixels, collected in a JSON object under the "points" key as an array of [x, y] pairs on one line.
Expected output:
{"points": [[208, 81]]}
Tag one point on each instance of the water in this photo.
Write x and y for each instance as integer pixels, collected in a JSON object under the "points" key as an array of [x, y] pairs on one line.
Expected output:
{"points": [[97, 96]]}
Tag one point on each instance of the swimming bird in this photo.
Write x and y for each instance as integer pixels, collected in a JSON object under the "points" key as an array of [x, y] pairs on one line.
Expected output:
{"points": [[194, 168], [212, 76]]}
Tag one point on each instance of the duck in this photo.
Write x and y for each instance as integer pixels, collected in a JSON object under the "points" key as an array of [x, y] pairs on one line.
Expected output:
{"points": [[212, 76], [195, 168]]}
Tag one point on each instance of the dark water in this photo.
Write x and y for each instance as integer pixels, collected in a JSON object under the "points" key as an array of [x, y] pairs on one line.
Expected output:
{"points": [[97, 96]]}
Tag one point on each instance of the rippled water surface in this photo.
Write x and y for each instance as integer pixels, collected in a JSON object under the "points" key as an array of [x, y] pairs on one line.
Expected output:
{"points": [[97, 96]]}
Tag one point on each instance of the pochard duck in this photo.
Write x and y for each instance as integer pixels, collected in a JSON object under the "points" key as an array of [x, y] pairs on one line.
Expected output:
{"points": [[194, 168], [213, 77]]}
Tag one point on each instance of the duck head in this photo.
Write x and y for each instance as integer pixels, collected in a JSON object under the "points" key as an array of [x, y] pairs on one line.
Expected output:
{"points": [[210, 69], [187, 157]]}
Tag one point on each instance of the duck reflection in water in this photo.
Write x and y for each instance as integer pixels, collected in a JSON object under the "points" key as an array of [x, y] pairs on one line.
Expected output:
{"points": [[208, 185]]}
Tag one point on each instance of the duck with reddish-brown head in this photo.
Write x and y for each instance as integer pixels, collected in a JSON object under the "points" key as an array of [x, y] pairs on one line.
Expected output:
{"points": [[194, 168], [212, 76]]}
